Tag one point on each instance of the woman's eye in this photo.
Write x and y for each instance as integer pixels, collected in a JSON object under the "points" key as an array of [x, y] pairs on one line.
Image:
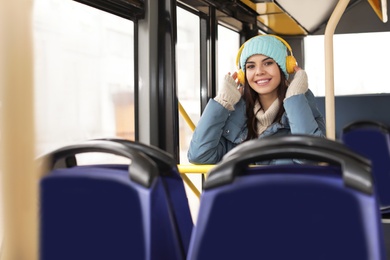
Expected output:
{"points": [[250, 66], [268, 63]]}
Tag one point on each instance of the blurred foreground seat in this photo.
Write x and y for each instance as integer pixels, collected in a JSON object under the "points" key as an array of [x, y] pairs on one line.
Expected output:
{"points": [[113, 211], [306, 211]]}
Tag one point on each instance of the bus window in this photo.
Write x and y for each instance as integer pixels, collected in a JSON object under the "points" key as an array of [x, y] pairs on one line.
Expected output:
{"points": [[188, 79], [360, 63], [228, 45], [84, 74]]}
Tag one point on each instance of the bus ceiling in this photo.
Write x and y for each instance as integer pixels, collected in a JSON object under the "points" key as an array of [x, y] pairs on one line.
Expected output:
{"points": [[303, 17]]}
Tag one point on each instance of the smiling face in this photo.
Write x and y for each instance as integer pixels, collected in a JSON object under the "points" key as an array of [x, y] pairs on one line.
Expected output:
{"points": [[263, 75]]}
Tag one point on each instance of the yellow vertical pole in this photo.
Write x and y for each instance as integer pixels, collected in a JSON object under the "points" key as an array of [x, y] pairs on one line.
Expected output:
{"points": [[19, 173], [329, 68]]}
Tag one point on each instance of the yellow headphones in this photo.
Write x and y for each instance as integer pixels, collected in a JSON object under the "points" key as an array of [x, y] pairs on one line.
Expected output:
{"points": [[290, 60]]}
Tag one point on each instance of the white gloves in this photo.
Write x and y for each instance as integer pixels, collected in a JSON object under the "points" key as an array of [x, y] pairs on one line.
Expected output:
{"points": [[299, 85], [228, 95]]}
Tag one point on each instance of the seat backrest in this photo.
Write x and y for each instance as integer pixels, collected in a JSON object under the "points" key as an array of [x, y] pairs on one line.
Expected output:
{"points": [[105, 211], [307, 211], [371, 139], [173, 186], [352, 109]]}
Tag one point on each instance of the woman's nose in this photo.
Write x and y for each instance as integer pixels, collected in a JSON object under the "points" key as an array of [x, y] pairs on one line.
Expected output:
{"points": [[259, 70]]}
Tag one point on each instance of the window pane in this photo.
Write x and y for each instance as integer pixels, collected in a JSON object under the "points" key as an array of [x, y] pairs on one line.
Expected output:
{"points": [[358, 67], [188, 74], [84, 74], [228, 45]]}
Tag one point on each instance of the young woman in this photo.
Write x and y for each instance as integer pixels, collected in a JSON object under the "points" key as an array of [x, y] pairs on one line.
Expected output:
{"points": [[256, 102]]}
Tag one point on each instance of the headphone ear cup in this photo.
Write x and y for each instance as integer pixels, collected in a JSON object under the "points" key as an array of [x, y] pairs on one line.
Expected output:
{"points": [[241, 76], [291, 62]]}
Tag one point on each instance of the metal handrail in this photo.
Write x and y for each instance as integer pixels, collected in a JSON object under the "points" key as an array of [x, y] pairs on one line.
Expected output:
{"points": [[196, 169], [191, 168], [18, 169], [329, 68], [186, 117]]}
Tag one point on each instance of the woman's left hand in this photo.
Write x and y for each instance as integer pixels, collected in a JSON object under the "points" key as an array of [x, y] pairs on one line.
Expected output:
{"points": [[299, 85]]}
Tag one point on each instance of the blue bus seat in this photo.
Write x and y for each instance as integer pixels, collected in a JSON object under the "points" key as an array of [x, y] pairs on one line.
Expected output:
{"points": [[306, 211], [371, 139], [105, 211], [173, 186]]}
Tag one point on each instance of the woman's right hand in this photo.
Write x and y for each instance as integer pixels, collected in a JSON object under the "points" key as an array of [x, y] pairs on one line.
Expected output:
{"points": [[239, 86], [229, 94]]}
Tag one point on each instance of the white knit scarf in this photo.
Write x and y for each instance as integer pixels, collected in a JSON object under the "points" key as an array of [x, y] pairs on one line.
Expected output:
{"points": [[265, 119]]}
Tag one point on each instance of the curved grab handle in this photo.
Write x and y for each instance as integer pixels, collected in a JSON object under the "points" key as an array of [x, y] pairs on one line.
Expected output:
{"points": [[163, 159], [366, 123], [356, 170], [143, 169]]}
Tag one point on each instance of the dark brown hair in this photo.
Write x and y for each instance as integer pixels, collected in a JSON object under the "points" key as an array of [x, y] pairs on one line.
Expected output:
{"points": [[250, 97]]}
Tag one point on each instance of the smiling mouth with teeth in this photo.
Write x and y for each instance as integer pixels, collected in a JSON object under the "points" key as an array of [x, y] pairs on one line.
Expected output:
{"points": [[262, 81]]}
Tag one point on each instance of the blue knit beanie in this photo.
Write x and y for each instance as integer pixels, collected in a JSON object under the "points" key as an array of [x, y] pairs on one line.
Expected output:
{"points": [[268, 46]]}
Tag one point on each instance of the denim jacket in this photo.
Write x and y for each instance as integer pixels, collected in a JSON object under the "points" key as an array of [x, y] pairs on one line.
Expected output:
{"points": [[220, 130]]}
